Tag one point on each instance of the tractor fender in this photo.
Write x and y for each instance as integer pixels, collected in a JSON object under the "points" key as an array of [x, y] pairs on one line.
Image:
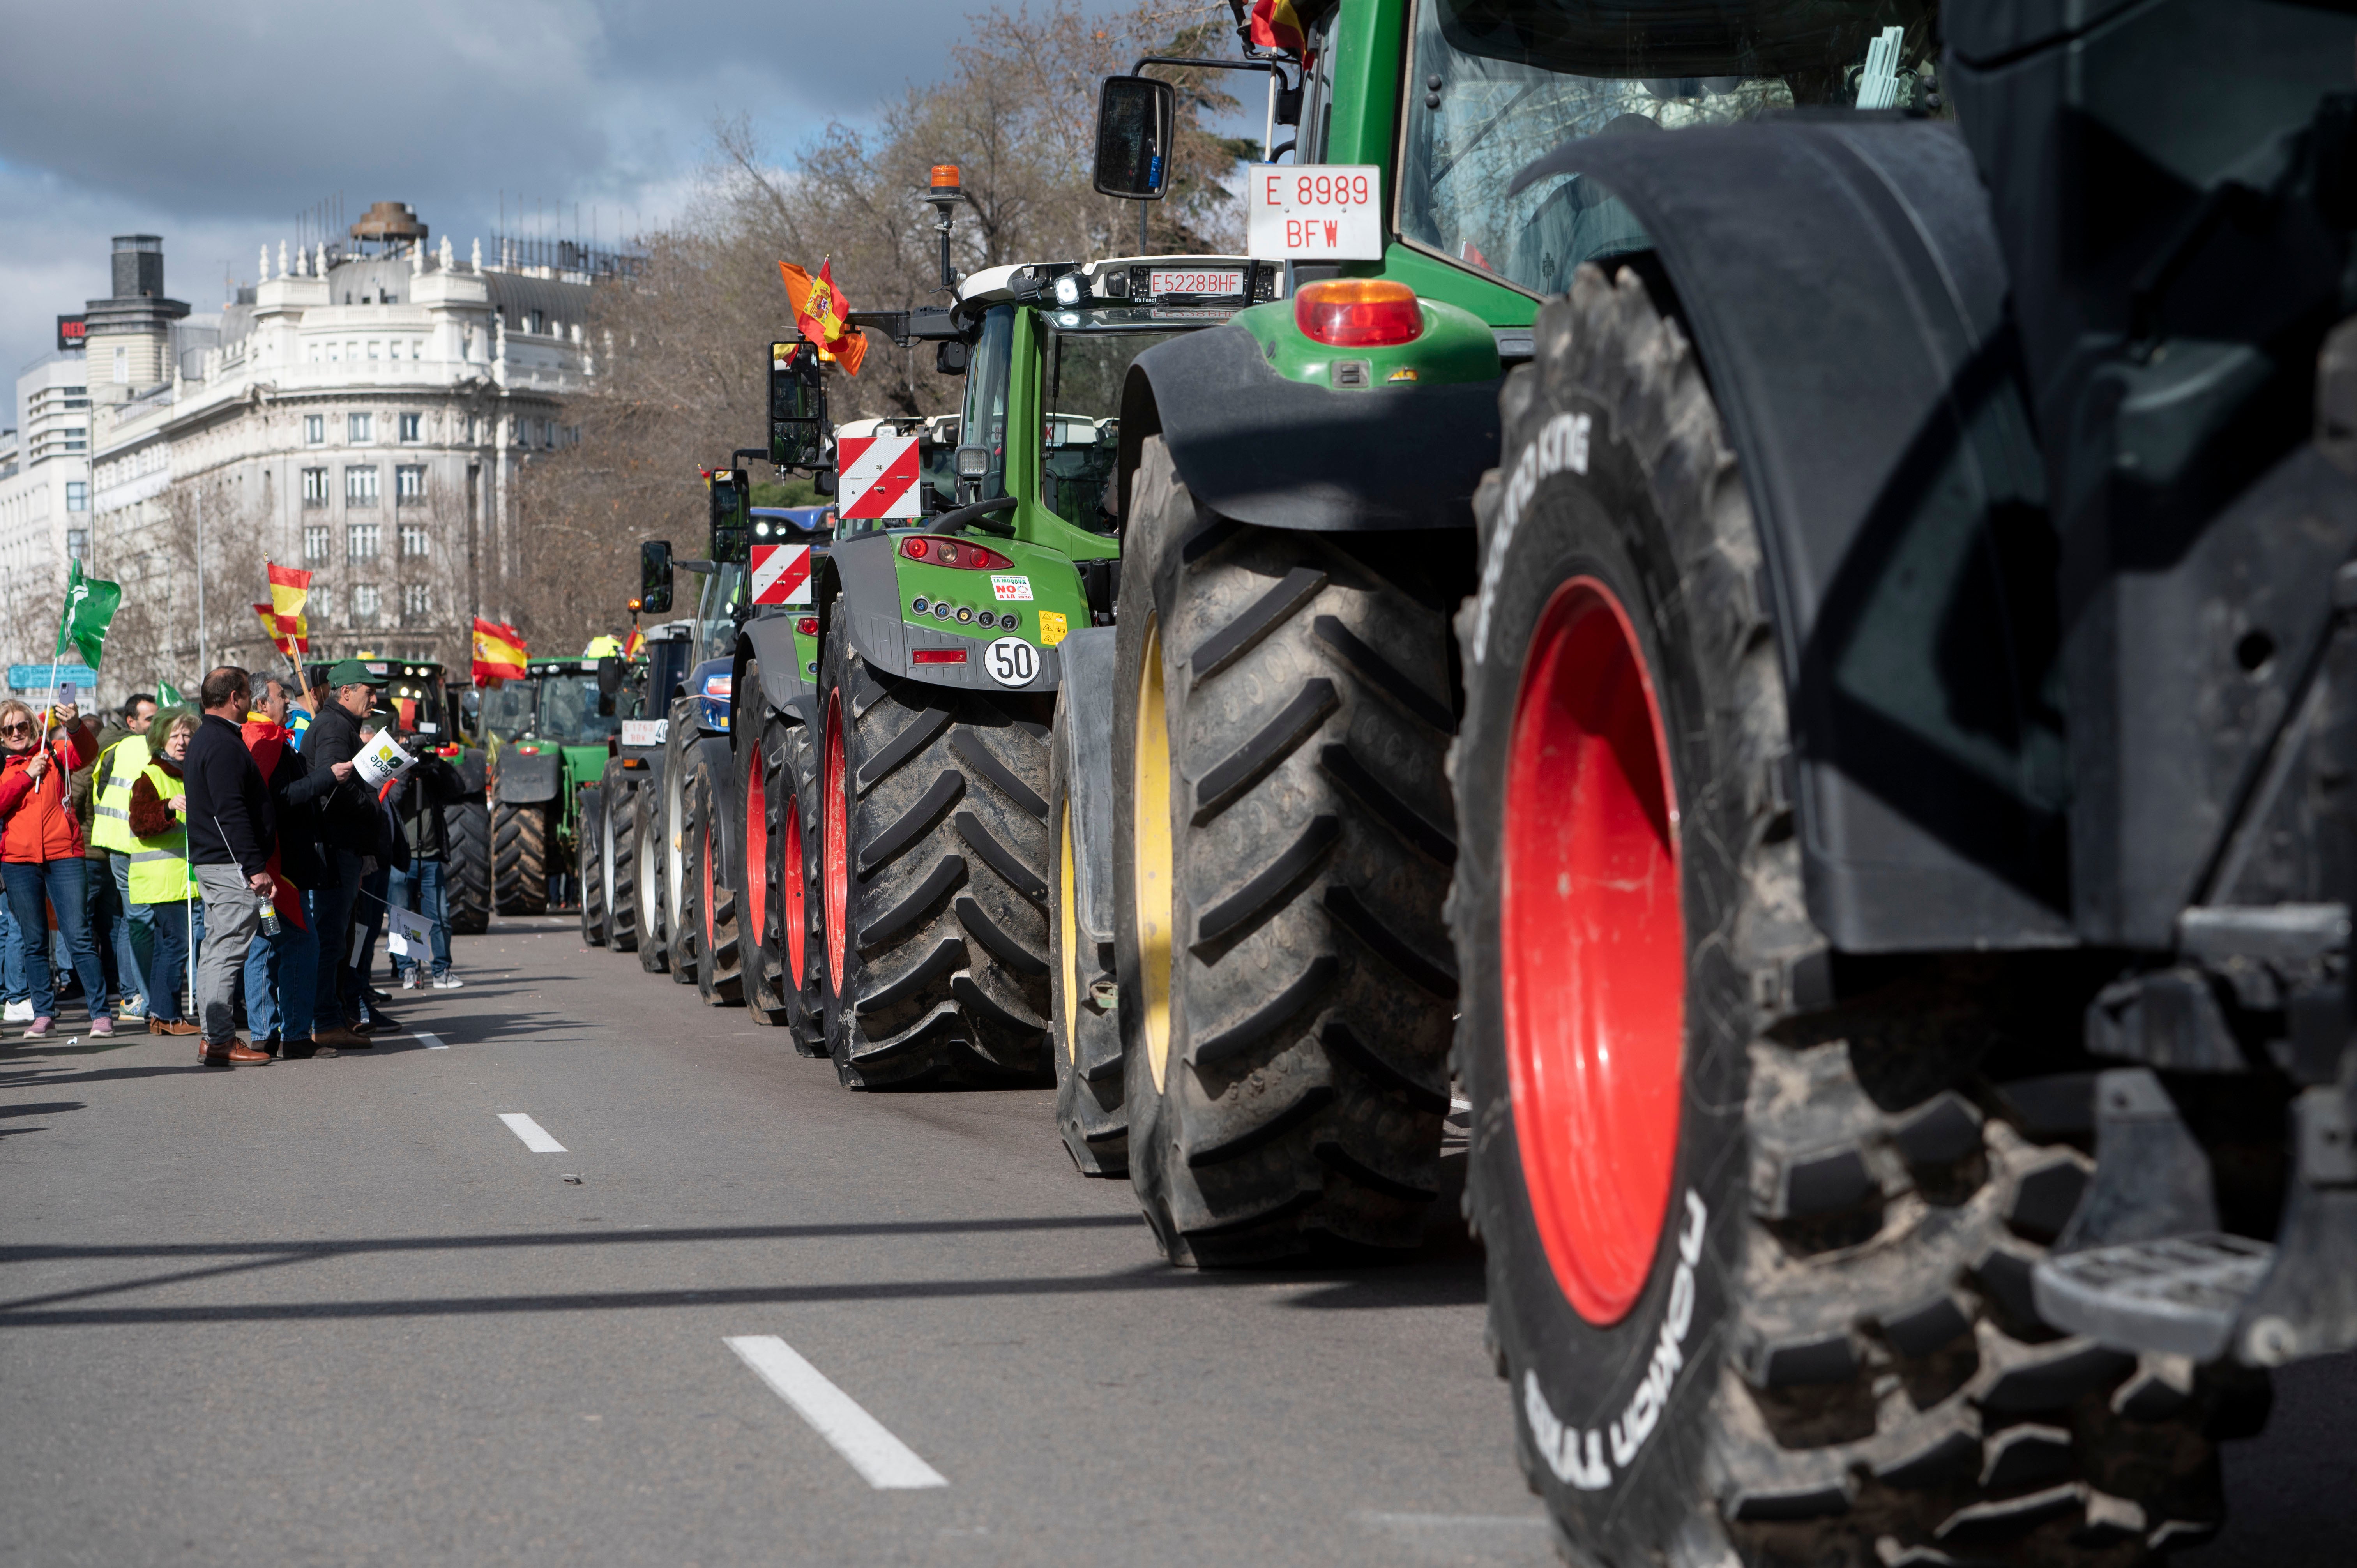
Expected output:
{"points": [[720, 763], [1842, 283], [473, 765], [1276, 453], [784, 685], [525, 778], [1088, 708], [869, 601]]}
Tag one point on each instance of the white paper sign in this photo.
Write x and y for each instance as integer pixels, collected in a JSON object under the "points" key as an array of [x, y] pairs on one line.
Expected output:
{"points": [[382, 758], [1314, 211], [410, 933]]}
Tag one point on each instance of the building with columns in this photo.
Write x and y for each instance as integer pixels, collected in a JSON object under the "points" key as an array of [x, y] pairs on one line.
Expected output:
{"points": [[361, 413]]}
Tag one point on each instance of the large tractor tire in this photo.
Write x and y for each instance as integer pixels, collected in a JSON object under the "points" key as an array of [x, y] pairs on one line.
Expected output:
{"points": [[678, 873], [615, 845], [470, 873], [935, 878], [714, 913], [647, 862], [1284, 977], [589, 879], [776, 877], [1085, 1039], [1758, 1263], [519, 846]]}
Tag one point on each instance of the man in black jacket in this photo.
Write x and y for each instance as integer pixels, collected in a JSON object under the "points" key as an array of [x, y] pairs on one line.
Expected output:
{"points": [[347, 817], [281, 971], [232, 830], [423, 888]]}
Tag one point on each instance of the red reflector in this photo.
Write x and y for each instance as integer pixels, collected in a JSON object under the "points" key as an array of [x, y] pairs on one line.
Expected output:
{"points": [[807, 625], [1358, 312], [937, 656]]}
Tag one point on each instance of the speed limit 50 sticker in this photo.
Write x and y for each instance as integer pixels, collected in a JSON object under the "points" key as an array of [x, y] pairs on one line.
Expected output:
{"points": [[1011, 661], [1333, 211]]}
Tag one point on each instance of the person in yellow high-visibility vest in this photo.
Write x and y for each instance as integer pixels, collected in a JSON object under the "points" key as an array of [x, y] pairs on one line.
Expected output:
{"points": [[120, 927], [161, 882]]}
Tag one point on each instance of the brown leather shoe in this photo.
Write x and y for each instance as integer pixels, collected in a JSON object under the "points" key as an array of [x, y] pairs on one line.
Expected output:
{"points": [[242, 1053], [343, 1040], [177, 1026], [215, 1056]]}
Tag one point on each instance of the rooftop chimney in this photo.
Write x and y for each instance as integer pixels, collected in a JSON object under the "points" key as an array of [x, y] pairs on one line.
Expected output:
{"points": [[138, 266]]}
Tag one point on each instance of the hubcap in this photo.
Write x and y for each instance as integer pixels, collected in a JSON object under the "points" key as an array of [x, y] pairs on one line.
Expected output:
{"points": [[1149, 796], [756, 846], [1592, 951], [834, 847]]}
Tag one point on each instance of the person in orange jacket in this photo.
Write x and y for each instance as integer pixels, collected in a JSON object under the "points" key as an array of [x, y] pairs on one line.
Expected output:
{"points": [[42, 855]]}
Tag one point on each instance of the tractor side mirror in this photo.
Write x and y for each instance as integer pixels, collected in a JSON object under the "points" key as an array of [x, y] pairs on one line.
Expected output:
{"points": [[1136, 117], [950, 359], [610, 681], [654, 575], [797, 407], [731, 494]]}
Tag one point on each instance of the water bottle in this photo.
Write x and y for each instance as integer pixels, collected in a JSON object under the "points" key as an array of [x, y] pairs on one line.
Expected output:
{"points": [[269, 919]]}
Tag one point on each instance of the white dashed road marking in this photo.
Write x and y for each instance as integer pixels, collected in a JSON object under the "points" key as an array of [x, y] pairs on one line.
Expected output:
{"points": [[887, 1462], [431, 1042], [535, 1137]]}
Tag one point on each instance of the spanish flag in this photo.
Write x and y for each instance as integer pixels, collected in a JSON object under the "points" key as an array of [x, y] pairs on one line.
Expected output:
{"points": [[283, 618], [288, 642], [1275, 27], [634, 644], [819, 311], [499, 652]]}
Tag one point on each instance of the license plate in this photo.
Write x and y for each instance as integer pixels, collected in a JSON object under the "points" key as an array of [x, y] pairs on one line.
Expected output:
{"points": [[644, 732], [1330, 211], [1197, 281]]}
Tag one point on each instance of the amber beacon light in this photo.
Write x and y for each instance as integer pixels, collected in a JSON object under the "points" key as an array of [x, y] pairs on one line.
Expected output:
{"points": [[1358, 312]]}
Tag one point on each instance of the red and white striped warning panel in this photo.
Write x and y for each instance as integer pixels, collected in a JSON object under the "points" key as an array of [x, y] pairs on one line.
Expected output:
{"points": [[781, 573], [879, 476]]}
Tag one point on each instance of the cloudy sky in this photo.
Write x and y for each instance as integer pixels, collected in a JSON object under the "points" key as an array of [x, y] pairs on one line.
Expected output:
{"points": [[213, 125]]}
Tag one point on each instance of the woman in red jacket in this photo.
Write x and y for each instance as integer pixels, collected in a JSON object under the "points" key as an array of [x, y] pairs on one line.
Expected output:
{"points": [[41, 855]]}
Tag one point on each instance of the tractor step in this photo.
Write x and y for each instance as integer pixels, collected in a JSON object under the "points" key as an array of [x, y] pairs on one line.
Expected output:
{"points": [[2179, 1294]]}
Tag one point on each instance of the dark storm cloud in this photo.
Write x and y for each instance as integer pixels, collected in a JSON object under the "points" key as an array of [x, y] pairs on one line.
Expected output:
{"points": [[211, 125]]}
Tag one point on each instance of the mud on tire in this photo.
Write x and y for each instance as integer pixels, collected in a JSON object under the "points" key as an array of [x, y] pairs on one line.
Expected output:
{"points": [[1286, 1032], [1827, 1352], [934, 885]]}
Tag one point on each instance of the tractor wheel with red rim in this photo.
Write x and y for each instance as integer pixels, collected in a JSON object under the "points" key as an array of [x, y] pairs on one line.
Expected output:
{"points": [[712, 909], [1757, 1248], [933, 885], [772, 875], [1281, 853]]}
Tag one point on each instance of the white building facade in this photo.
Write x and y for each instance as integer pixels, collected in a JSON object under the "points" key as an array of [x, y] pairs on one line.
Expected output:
{"points": [[44, 493], [362, 416]]}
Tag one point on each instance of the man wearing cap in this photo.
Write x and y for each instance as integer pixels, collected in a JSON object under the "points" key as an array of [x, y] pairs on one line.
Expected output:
{"points": [[348, 818]]}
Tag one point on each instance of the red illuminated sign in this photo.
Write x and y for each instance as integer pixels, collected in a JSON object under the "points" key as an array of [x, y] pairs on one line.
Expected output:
{"points": [[69, 331]]}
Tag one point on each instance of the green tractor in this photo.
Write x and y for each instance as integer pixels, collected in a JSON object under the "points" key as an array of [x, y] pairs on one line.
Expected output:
{"points": [[551, 734], [888, 852], [1787, 659], [419, 693]]}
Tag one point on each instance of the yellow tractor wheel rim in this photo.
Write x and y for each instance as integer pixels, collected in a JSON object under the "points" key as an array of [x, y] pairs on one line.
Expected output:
{"points": [[1149, 797], [1068, 929]]}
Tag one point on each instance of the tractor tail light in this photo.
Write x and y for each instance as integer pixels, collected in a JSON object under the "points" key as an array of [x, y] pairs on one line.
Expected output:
{"points": [[937, 656], [954, 552], [807, 625], [1358, 312]]}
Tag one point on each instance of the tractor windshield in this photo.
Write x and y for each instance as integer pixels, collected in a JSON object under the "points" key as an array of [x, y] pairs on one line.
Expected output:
{"points": [[1089, 355], [985, 421], [568, 711], [509, 709], [1497, 83]]}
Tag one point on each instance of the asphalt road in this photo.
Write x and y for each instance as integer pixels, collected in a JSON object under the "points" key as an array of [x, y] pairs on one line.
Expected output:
{"points": [[340, 1311]]}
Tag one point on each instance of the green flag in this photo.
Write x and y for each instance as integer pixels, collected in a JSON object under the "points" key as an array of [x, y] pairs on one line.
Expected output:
{"points": [[90, 606], [168, 695]]}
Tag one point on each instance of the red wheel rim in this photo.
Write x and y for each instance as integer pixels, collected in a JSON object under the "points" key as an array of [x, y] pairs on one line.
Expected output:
{"points": [[756, 845], [793, 918], [1592, 951], [704, 854], [834, 846]]}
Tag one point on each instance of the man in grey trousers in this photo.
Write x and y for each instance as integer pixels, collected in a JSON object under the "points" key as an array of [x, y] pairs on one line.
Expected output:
{"points": [[230, 833]]}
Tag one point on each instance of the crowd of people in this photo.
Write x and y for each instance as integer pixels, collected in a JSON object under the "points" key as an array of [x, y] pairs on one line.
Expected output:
{"points": [[234, 851]]}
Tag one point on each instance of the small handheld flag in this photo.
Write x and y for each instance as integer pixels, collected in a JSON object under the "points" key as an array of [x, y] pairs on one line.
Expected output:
{"points": [[1275, 26], [90, 609]]}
